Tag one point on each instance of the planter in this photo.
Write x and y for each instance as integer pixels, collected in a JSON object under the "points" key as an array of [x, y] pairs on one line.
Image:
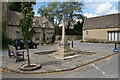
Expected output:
{"points": [[31, 67]]}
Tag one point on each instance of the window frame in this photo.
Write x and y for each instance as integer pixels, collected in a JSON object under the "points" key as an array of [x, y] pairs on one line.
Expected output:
{"points": [[36, 36], [18, 35], [36, 23]]}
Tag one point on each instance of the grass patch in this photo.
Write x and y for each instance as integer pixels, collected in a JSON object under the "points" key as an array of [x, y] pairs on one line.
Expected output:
{"points": [[76, 65], [50, 70]]}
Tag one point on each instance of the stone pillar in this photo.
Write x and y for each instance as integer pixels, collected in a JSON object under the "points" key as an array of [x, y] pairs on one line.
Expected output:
{"points": [[63, 46], [63, 29], [64, 50]]}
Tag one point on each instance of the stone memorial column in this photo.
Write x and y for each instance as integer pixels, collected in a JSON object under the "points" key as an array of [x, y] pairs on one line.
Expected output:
{"points": [[63, 29], [63, 46]]}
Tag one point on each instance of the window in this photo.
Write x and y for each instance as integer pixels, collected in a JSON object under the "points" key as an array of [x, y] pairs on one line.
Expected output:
{"points": [[46, 25], [36, 23], [18, 35], [37, 36], [48, 36]]}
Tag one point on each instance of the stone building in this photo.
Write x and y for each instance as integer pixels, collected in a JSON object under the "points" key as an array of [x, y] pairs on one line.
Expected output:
{"points": [[42, 30], [103, 28]]}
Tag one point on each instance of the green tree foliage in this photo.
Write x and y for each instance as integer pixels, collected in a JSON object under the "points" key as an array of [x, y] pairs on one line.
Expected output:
{"points": [[78, 26], [43, 11], [14, 6], [55, 10], [70, 10], [26, 22], [49, 11]]}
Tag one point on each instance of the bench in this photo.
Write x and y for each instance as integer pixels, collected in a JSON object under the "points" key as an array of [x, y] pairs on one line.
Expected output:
{"points": [[13, 52]]}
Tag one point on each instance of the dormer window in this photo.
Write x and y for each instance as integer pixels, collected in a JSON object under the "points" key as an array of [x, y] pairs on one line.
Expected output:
{"points": [[36, 23], [46, 25]]}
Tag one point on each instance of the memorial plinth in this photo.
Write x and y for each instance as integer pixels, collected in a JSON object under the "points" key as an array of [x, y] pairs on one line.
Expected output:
{"points": [[64, 52]]}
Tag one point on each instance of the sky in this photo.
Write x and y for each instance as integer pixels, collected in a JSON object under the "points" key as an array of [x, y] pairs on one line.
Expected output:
{"points": [[91, 9]]}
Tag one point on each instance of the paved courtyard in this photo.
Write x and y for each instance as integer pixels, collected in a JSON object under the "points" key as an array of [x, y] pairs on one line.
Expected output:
{"points": [[107, 68], [93, 47], [50, 64]]}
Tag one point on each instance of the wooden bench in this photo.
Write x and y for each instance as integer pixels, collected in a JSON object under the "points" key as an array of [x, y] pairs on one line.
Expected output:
{"points": [[13, 52]]}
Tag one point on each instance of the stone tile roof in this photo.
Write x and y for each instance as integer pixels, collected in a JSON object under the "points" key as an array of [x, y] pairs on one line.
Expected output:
{"points": [[101, 22], [42, 20], [14, 17]]}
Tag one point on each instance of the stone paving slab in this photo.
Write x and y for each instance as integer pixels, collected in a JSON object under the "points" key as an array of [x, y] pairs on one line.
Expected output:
{"points": [[50, 64]]}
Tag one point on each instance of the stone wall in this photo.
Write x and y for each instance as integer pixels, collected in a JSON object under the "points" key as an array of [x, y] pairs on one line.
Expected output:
{"points": [[11, 31], [41, 36], [98, 34], [70, 37], [42, 32], [51, 32]]}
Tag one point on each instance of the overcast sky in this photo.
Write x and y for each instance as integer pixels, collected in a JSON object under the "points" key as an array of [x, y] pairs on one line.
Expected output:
{"points": [[91, 9]]}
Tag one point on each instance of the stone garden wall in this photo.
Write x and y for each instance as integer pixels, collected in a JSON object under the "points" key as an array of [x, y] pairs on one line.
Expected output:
{"points": [[70, 37]]}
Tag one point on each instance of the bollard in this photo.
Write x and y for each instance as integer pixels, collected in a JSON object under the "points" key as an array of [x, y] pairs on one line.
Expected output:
{"points": [[115, 49], [72, 44], [115, 45]]}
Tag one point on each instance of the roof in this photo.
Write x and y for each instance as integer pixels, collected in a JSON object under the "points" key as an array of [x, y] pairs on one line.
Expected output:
{"points": [[42, 20], [14, 17], [102, 22]]}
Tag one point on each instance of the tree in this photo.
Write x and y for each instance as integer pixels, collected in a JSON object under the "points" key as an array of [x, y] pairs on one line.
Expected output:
{"points": [[70, 10], [79, 25], [43, 11], [55, 10], [49, 11], [14, 6], [26, 22]]}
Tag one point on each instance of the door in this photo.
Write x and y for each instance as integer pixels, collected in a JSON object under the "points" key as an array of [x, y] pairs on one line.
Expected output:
{"points": [[114, 36], [109, 36], [119, 36]]}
